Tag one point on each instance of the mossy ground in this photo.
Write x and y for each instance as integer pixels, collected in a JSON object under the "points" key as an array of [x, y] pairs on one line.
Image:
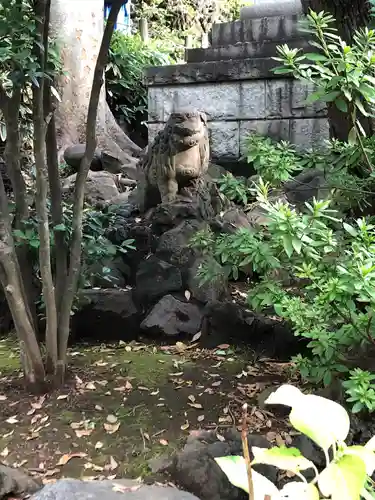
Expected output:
{"points": [[124, 405]]}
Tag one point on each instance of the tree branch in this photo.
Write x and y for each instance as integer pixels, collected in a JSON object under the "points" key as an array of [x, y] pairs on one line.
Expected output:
{"points": [[41, 194], [75, 253], [12, 283]]}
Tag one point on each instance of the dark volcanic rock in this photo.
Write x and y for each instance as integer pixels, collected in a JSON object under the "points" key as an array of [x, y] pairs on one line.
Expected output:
{"points": [[228, 322], [107, 314], [156, 278], [174, 245], [309, 184], [195, 469], [172, 317], [210, 291]]}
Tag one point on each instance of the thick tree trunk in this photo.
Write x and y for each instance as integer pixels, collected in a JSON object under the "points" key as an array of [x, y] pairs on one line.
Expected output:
{"points": [[78, 26], [349, 14]]}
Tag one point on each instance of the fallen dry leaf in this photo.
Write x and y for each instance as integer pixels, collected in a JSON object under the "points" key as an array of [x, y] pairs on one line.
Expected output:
{"points": [[83, 432], [5, 452], [3, 398], [185, 426], [191, 398], [99, 445], [118, 488], [220, 437], [98, 408], [196, 337], [112, 419], [200, 418], [63, 396], [65, 458], [112, 463], [91, 386], [163, 442], [180, 346], [198, 406], [12, 420], [111, 428], [187, 294]]}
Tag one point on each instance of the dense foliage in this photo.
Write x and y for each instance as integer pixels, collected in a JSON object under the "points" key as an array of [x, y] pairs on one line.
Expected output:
{"points": [[129, 56]]}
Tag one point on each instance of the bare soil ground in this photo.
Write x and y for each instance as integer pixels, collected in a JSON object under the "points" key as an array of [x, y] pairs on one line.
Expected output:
{"points": [[126, 404]]}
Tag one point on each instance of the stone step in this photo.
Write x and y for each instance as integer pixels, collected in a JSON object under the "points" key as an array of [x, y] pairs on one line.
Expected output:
{"points": [[243, 50], [212, 72], [255, 30], [269, 8]]}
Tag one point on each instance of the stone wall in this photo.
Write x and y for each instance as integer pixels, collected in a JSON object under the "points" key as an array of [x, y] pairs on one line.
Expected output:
{"points": [[269, 107], [233, 82]]}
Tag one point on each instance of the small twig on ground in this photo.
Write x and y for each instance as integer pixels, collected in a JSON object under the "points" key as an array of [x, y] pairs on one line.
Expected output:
{"points": [[246, 452], [143, 438]]}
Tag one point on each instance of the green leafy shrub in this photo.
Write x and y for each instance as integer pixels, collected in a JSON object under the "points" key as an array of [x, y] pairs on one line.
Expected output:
{"points": [[361, 390], [343, 74], [274, 161], [334, 264], [96, 248], [235, 189], [347, 476], [129, 56], [343, 165]]}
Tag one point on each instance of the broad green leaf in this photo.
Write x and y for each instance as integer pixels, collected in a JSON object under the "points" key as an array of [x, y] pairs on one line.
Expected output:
{"points": [[299, 491], [234, 468], [341, 105], [366, 454], [331, 96], [313, 97], [59, 227], [284, 458], [344, 479], [350, 229], [320, 419], [315, 57], [352, 137], [360, 107], [297, 244], [288, 246]]}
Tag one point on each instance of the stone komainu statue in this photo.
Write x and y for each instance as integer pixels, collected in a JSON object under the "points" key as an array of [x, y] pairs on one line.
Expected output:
{"points": [[179, 154]]}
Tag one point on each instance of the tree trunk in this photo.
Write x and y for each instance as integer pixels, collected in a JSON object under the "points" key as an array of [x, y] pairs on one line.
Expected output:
{"points": [[349, 14], [78, 26], [90, 140]]}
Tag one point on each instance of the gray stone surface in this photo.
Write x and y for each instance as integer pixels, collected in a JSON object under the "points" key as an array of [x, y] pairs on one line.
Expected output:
{"points": [[276, 28], [269, 8], [211, 71], [72, 489], [219, 101], [233, 83], [241, 51], [100, 187], [224, 139], [309, 132], [277, 129]]}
